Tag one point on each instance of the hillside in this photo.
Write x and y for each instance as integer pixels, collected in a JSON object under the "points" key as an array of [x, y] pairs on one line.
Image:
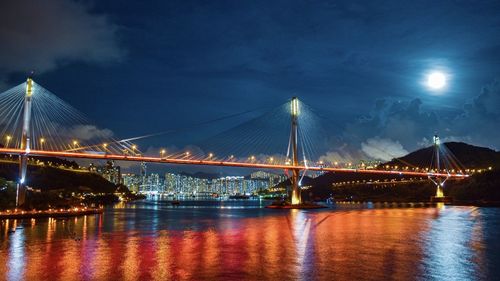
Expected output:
{"points": [[49, 178], [472, 189], [322, 185], [469, 156]]}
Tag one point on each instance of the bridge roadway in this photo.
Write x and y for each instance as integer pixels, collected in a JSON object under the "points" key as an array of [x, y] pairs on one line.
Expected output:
{"points": [[166, 160]]}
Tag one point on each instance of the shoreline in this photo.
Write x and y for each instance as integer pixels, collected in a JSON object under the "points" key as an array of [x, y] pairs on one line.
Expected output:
{"points": [[491, 204], [61, 213], [49, 213], [299, 207]]}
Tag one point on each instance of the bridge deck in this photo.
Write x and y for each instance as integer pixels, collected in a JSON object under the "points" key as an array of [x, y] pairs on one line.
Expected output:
{"points": [[204, 162]]}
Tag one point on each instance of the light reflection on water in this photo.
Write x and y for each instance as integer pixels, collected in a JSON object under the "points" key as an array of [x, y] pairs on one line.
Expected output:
{"points": [[153, 241]]}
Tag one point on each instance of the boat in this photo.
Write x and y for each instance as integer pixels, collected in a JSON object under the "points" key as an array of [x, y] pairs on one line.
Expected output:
{"points": [[175, 202]]}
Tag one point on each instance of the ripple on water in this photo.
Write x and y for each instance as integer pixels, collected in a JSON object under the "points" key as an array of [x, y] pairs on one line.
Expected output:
{"points": [[144, 242]]}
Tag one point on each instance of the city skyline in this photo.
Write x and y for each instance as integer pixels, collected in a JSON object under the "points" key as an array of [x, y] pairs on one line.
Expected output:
{"points": [[185, 183]]}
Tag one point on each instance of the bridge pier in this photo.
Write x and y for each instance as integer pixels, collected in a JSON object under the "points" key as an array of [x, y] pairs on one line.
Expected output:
{"points": [[25, 145]]}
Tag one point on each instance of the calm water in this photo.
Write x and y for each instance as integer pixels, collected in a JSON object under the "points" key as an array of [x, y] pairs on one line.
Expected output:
{"points": [[154, 241]]}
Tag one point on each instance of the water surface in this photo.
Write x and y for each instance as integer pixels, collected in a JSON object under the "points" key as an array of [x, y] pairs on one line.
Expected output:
{"points": [[152, 240]]}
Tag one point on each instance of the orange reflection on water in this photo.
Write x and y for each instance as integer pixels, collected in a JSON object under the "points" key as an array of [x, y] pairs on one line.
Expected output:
{"points": [[368, 244], [162, 245], [131, 260]]}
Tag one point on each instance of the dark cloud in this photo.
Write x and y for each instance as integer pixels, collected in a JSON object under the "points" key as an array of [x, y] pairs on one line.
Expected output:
{"points": [[402, 121], [395, 127], [42, 35], [479, 122]]}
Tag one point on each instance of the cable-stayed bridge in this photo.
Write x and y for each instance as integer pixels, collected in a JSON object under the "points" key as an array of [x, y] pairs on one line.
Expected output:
{"points": [[35, 122]]}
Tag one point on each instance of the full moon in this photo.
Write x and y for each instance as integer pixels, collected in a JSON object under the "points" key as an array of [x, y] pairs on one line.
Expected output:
{"points": [[436, 80]]}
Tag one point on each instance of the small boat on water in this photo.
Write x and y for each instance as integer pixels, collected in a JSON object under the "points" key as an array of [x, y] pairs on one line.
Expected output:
{"points": [[330, 200], [175, 202]]}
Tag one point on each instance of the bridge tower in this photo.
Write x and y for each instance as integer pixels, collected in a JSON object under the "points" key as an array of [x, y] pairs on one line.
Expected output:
{"points": [[295, 194], [25, 144], [437, 180]]}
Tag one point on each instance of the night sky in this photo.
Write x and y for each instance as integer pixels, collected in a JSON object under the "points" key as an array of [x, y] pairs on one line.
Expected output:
{"points": [[136, 68]]}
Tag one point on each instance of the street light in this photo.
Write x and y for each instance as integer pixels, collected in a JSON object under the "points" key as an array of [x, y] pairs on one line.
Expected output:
{"points": [[162, 153], [42, 141], [8, 140], [75, 143], [210, 155]]}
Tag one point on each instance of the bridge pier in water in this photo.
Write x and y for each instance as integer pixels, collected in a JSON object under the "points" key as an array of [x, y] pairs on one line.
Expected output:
{"points": [[25, 145]]}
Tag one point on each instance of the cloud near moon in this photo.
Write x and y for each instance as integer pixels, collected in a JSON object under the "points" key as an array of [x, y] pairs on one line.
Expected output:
{"points": [[394, 128]]}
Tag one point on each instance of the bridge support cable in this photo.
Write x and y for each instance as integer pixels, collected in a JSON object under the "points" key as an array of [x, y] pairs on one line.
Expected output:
{"points": [[257, 140], [32, 118]]}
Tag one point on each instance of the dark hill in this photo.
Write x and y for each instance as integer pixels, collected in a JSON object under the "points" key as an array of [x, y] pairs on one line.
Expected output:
{"points": [[469, 156], [53, 161], [50, 178], [322, 185]]}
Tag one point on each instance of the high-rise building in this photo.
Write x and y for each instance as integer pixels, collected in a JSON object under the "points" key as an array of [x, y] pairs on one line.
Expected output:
{"points": [[189, 185], [271, 178], [132, 181], [143, 173], [109, 171]]}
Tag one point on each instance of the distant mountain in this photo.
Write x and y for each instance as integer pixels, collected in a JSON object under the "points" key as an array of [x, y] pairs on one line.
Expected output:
{"points": [[468, 156]]}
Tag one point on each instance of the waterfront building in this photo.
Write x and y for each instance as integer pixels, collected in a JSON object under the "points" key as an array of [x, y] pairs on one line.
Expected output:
{"points": [[132, 181], [185, 184], [109, 171]]}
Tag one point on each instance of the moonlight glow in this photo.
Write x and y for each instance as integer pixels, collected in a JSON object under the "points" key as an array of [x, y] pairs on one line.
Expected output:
{"points": [[436, 80]]}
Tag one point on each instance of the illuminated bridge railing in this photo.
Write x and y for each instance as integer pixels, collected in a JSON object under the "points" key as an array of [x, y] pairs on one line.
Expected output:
{"points": [[207, 162]]}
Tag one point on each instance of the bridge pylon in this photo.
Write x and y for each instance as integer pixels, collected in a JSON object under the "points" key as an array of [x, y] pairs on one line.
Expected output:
{"points": [[25, 144], [438, 181], [295, 196]]}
